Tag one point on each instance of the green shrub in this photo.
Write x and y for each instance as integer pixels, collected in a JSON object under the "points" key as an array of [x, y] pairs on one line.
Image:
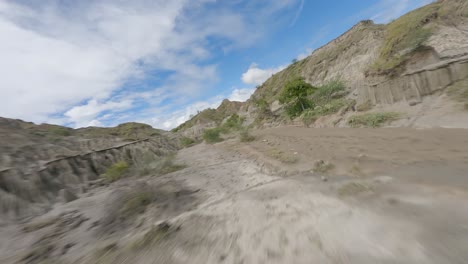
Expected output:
{"points": [[372, 119], [295, 95], [234, 122], [325, 92], [310, 115], [187, 142], [212, 135], [116, 171], [296, 108]]}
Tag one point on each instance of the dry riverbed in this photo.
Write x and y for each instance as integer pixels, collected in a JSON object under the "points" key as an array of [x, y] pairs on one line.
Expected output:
{"points": [[293, 195]]}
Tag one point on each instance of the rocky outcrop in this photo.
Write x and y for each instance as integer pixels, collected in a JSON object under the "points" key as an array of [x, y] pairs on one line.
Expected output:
{"points": [[31, 188], [414, 85], [209, 118]]}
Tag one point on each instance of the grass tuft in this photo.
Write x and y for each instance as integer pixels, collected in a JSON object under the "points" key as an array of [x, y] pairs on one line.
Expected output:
{"points": [[187, 142], [245, 136], [353, 188], [116, 171], [212, 135], [372, 119], [323, 167], [287, 158]]}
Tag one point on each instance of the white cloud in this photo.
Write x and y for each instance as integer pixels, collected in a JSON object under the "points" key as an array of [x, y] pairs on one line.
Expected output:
{"points": [[241, 95], [256, 76], [85, 115], [95, 123], [56, 56]]}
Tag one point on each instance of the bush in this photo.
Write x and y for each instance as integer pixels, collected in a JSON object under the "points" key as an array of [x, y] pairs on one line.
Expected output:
{"points": [[325, 92], [294, 95], [310, 115], [187, 142], [116, 171], [234, 122], [212, 135], [296, 108], [372, 119]]}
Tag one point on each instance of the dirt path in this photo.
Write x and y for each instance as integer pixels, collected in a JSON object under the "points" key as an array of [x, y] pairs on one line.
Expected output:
{"points": [[391, 196], [410, 214]]}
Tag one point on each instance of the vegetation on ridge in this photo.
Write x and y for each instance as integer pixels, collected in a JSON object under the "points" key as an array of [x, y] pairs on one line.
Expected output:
{"points": [[409, 33], [233, 123]]}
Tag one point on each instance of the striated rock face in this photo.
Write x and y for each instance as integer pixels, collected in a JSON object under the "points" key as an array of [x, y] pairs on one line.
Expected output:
{"points": [[38, 171], [416, 84]]}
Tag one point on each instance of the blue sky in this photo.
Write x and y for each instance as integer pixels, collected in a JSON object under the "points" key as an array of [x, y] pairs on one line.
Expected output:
{"points": [[104, 62]]}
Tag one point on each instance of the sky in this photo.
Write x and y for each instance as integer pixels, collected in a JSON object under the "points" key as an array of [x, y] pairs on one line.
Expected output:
{"points": [[105, 62]]}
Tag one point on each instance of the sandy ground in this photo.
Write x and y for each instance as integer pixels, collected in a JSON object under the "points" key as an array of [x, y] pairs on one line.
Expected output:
{"points": [[294, 195]]}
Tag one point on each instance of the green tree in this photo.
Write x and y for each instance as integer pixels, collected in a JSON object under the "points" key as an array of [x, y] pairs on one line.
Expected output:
{"points": [[295, 95]]}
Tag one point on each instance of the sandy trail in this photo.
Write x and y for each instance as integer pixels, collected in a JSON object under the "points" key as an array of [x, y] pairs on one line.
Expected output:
{"points": [[405, 206], [410, 214]]}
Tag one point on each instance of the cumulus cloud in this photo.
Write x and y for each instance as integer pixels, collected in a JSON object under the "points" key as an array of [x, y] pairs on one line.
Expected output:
{"points": [[56, 56], [85, 115], [241, 95], [256, 76]]}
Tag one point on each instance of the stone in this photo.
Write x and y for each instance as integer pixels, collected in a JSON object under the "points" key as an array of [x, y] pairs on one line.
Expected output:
{"points": [[67, 195], [414, 102]]}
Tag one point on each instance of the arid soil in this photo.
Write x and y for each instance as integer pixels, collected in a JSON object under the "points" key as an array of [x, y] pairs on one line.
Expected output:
{"points": [[294, 195]]}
